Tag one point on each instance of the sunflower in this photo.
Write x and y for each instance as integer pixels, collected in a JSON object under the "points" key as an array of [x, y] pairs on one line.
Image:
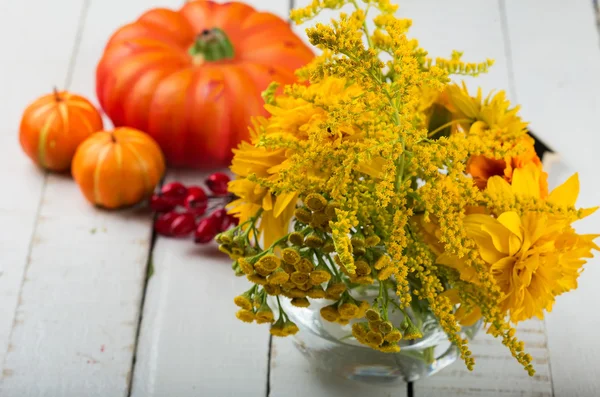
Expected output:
{"points": [[534, 256]]}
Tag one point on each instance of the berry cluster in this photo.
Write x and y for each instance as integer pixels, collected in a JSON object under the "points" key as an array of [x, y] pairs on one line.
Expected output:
{"points": [[183, 209]]}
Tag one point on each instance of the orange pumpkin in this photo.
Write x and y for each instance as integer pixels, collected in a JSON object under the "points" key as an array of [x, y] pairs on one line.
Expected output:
{"points": [[54, 125], [118, 168], [193, 78]]}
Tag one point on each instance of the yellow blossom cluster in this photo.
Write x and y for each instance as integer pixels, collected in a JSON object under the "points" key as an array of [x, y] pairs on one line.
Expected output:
{"points": [[379, 172]]}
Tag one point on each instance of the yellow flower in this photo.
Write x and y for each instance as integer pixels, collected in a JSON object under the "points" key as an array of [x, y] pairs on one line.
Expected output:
{"points": [[492, 112], [533, 257], [277, 210], [481, 168]]}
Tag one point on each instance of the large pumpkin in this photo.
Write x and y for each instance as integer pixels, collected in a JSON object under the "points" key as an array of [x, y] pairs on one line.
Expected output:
{"points": [[118, 168], [193, 78], [54, 125]]}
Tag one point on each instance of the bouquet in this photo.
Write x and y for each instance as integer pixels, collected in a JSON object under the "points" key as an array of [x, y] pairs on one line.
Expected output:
{"points": [[377, 170]]}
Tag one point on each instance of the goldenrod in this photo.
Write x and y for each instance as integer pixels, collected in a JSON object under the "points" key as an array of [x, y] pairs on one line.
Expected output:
{"points": [[385, 174]]}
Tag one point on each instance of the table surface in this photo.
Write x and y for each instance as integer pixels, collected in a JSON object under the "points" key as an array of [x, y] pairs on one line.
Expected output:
{"points": [[77, 314]]}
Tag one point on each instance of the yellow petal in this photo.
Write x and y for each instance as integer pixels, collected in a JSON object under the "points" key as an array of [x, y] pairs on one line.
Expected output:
{"points": [[282, 201], [502, 269], [267, 202], [489, 235], [512, 221], [566, 194], [526, 181], [452, 295], [587, 212], [497, 186], [468, 318]]}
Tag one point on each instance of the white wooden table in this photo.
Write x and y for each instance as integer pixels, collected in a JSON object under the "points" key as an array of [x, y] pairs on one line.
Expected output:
{"points": [[77, 317]]}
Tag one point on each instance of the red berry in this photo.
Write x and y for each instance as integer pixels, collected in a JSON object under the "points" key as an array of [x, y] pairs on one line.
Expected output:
{"points": [[206, 231], [174, 190], [219, 216], [196, 201], [217, 183], [174, 224], [183, 225], [163, 223], [162, 203]]}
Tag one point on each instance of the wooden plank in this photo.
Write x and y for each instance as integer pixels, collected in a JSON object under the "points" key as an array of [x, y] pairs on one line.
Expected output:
{"points": [[78, 310], [557, 79], [572, 324], [556, 74], [190, 341], [496, 372], [32, 63], [470, 26]]}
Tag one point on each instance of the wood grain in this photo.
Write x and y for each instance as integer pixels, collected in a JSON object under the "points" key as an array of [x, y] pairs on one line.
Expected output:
{"points": [[22, 81], [496, 372], [556, 58], [191, 343], [77, 314]]}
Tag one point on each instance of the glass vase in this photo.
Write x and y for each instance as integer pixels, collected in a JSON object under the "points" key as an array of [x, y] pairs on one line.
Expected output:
{"points": [[331, 347]]}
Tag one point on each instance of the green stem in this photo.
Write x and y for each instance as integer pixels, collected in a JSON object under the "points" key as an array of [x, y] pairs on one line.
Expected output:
{"points": [[335, 270], [365, 28], [211, 46], [281, 312], [386, 300], [448, 124]]}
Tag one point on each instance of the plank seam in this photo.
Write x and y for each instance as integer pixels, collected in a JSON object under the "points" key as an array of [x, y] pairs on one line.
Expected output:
{"points": [[149, 266], [596, 6], [149, 273], [549, 358], [513, 88], [77, 44], [507, 49], [269, 353], [68, 77]]}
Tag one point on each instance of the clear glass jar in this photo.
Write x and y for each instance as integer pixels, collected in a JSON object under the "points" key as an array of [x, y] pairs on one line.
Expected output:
{"points": [[331, 346]]}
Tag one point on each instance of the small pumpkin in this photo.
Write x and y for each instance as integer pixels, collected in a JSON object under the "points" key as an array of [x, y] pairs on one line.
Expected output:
{"points": [[193, 78], [118, 168], [54, 125]]}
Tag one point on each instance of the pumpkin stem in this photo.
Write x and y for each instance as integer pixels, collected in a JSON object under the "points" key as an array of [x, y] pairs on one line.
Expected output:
{"points": [[113, 138], [56, 94], [212, 45]]}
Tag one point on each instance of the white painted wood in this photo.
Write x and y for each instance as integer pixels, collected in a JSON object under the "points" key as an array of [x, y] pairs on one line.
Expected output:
{"points": [[191, 343], [78, 310], [471, 26], [31, 63], [292, 376], [556, 58], [572, 325], [556, 63], [496, 372]]}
